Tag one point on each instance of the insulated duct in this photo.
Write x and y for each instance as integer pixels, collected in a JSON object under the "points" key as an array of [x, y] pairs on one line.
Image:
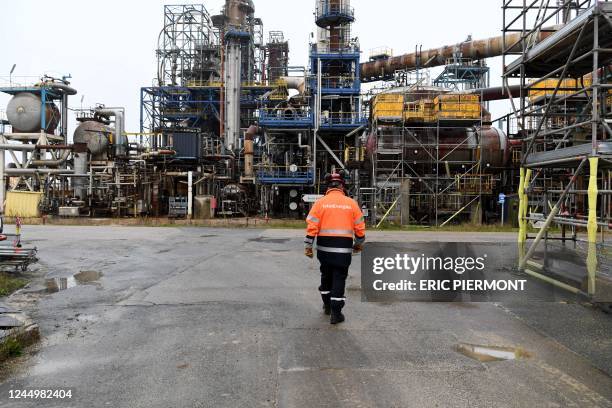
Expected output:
{"points": [[120, 141], [52, 163], [80, 167], [297, 83], [478, 49]]}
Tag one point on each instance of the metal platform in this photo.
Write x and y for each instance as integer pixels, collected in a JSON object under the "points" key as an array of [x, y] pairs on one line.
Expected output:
{"points": [[569, 156], [32, 137], [556, 49]]}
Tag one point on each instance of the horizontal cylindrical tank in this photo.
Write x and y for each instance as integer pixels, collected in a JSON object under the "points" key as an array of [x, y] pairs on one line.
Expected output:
{"points": [[456, 146], [24, 112], [94, 134], [495, 149]]}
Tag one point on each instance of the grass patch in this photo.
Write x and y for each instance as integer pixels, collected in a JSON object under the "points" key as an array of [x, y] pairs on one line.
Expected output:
{"points": [[10, 348], [10, 283], [16, 343]]}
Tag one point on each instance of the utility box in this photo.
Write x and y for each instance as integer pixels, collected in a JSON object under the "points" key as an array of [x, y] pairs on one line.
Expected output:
{"points": [[203, 207], [69, 211], [177, 207]]}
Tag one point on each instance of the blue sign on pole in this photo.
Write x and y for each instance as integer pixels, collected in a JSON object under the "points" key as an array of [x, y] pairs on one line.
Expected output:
{"points": [[502, 198]]}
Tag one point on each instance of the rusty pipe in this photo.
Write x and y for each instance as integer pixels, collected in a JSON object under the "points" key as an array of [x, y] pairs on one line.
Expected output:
{"points": [[249, 150], [475, 50], [497, 93], [251, 132]]}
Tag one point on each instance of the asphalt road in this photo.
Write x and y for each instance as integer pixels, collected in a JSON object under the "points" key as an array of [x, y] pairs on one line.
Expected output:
{"points": [[200, 317]]}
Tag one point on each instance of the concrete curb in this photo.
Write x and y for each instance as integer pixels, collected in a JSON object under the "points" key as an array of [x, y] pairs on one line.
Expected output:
{"points": [[160, 222]]}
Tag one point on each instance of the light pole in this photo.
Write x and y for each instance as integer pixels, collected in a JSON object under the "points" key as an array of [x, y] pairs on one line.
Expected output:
{"points": [[11, 75]]}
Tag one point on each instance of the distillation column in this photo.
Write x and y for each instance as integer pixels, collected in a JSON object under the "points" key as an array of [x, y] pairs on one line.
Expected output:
{"points": [[236, 34]]}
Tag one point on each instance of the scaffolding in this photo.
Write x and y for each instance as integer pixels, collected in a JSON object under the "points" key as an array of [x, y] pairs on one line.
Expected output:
{"points": [[188, 47], [563, 116], [431, 166], [277, 56], [461, 74]]}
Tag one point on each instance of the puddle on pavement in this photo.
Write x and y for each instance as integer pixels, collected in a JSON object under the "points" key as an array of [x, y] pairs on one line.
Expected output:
{"points": [[208, 236], [488, 354], [270, 240], [81, 278]]}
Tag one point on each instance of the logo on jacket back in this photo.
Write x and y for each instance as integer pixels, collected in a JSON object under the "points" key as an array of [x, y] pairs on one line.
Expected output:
{"points": [[337, 206]]}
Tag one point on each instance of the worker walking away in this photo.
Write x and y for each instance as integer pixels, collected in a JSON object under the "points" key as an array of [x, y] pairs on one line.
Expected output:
{"points": [[338, 225]]}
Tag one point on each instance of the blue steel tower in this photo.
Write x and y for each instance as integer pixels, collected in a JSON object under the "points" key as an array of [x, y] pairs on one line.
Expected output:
{"points": [[334, 65]]}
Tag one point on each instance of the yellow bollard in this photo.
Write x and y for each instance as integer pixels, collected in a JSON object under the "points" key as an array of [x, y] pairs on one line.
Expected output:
{"points": [[523, 204], [593, 191], [592, 226], [521, 193]]}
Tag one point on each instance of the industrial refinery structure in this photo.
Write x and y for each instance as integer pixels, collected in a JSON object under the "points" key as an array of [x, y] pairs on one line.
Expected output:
{"points": [[232, 129]]}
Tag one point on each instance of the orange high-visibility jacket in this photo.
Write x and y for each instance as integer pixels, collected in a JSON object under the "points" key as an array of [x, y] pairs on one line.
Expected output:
{"points": [[335, 220]]}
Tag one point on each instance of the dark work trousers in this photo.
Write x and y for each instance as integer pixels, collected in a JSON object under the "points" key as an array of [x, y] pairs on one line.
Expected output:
{"points": [[333, 281]]}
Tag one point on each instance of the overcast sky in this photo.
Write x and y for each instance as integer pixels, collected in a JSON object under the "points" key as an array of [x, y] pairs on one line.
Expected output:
{"points": [[108, 47]]}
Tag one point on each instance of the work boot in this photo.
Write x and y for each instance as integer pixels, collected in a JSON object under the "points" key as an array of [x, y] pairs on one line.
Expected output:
{"points": [[326, 303], [336, 317], [336, 312], [327, 309]]}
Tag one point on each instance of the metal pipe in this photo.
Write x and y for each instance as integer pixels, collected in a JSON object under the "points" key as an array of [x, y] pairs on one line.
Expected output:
{"points": [[189, 194], [157, 153], [120, 138], [29, 171], [475, 50], [18, 147], [304, 146], [52, 163], [496, 93], [552, 281], [54, 147], [65, 89], [297, 83]]}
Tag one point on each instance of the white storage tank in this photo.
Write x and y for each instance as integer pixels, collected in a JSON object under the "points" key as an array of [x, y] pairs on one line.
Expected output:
{"points": [[24, 112]]}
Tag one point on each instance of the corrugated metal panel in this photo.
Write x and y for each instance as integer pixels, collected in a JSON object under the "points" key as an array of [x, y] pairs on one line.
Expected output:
{"points": [[186, 145], [22, 204]]}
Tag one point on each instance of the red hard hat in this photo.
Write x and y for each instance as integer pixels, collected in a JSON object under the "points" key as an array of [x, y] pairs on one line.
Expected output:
{"points": [[335, 178]]}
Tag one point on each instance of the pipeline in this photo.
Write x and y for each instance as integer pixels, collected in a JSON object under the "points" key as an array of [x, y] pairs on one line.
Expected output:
{"points": [[497, 93], [52, 163], [475, 50], [304, 146], [18, 147], [157, 153], [30, 171], [65, 89], [297, 83], [120, 141], [30, 147]]}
